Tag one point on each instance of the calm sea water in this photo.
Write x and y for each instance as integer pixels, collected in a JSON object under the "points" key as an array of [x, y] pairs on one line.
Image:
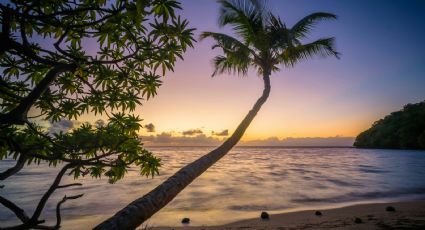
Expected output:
{"points": [[241, 185]]}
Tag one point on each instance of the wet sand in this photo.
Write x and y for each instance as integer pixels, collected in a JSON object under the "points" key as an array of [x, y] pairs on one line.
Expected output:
{"points": [[407, 215]]}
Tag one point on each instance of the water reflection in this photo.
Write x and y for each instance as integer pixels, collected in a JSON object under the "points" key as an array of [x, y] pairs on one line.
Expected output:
{"points": [[242, 184]]}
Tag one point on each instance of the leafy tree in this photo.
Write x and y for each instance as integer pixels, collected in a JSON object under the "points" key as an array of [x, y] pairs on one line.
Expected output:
{"points": [[404, 129], [63, 58], [264, 42]]}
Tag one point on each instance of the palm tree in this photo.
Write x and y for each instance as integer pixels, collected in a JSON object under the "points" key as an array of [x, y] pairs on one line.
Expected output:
{"points": [[263, 42]]}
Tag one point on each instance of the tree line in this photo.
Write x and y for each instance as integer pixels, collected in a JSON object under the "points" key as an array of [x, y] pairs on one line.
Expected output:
{"points": [[404, 129]]}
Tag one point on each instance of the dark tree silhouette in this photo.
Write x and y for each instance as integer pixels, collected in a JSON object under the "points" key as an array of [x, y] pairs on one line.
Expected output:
{"points": [[404, 129], [98, 57]]}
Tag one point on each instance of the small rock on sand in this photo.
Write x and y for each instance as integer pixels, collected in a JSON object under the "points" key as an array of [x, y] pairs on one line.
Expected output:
{"points": [[264, 216], [318, 213], [390, 209], [357, 220], [185, 220]]}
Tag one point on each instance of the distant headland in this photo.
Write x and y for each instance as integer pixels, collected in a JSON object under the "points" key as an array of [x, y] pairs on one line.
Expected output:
{"points": [[404, 129]]}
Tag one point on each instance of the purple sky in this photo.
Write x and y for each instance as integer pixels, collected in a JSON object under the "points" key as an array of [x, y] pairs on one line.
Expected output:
{"points": [[382, 68]]}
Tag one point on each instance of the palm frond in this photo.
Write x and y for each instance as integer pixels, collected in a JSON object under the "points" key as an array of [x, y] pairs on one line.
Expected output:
{"points": [[246, 17], [237, 56], [279, 35], [235, 11], [230, 64], [226, 42], [323, 47], [261, 6], [304, 26]]}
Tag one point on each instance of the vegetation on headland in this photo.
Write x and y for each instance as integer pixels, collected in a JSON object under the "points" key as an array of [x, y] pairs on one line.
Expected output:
{"points": [[404, 129]]}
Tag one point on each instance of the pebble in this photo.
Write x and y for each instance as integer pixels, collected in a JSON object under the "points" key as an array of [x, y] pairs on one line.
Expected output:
{"points": [[185, 220], [390, 209], [357, 220], [264, 216]]}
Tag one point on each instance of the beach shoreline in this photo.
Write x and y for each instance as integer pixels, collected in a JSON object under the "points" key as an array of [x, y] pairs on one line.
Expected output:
{"points": [[407, 215]]}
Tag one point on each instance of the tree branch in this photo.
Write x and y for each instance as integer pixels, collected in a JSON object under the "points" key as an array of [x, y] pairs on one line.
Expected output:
{"points": [[75, 11], [28, 52], [47, 195], [23, 34], [5, 33], [58, 206], [19, 114], [49, 139], [6, 20], [114, 61], [9, 94], [19, 212], [11, 171], [59, 41], [69, 185]]}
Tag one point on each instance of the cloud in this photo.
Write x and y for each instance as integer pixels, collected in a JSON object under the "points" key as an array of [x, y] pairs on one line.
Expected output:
{"points": [[302, 141], [192, 132], [169, 139], [62, 126], [100, 123], [150, 128], [223, 133]]}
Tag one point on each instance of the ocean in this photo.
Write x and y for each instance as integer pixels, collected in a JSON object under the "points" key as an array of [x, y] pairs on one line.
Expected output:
{"points": [[241, 185]]}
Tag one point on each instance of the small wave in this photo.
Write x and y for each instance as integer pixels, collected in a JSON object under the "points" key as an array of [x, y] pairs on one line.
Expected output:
{"points": [[311, 200], [371, 170], [355, 196], [256, 207], [303, 171], [280, 174], [34, 173], [341, 183], [388, 194]]}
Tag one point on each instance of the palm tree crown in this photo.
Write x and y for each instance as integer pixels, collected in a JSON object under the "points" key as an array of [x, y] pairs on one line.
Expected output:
{"points": [[265, 42]]}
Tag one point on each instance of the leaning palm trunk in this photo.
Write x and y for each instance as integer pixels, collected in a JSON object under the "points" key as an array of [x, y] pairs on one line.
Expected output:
{"points": [[138, 211]]}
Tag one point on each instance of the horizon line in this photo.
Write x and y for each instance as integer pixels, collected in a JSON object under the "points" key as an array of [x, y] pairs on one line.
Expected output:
{"points": [[259, 146]]}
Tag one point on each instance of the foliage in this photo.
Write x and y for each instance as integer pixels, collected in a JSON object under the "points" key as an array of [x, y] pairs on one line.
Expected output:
{"points": [[263, 41], [404, 129], [63, 59]]}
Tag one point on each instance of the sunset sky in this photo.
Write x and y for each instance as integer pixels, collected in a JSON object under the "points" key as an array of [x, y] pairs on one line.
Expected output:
{"points": [[382, 68]]}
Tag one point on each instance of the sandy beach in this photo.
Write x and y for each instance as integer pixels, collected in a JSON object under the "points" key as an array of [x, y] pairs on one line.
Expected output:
{"points": [[407, 215]]}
